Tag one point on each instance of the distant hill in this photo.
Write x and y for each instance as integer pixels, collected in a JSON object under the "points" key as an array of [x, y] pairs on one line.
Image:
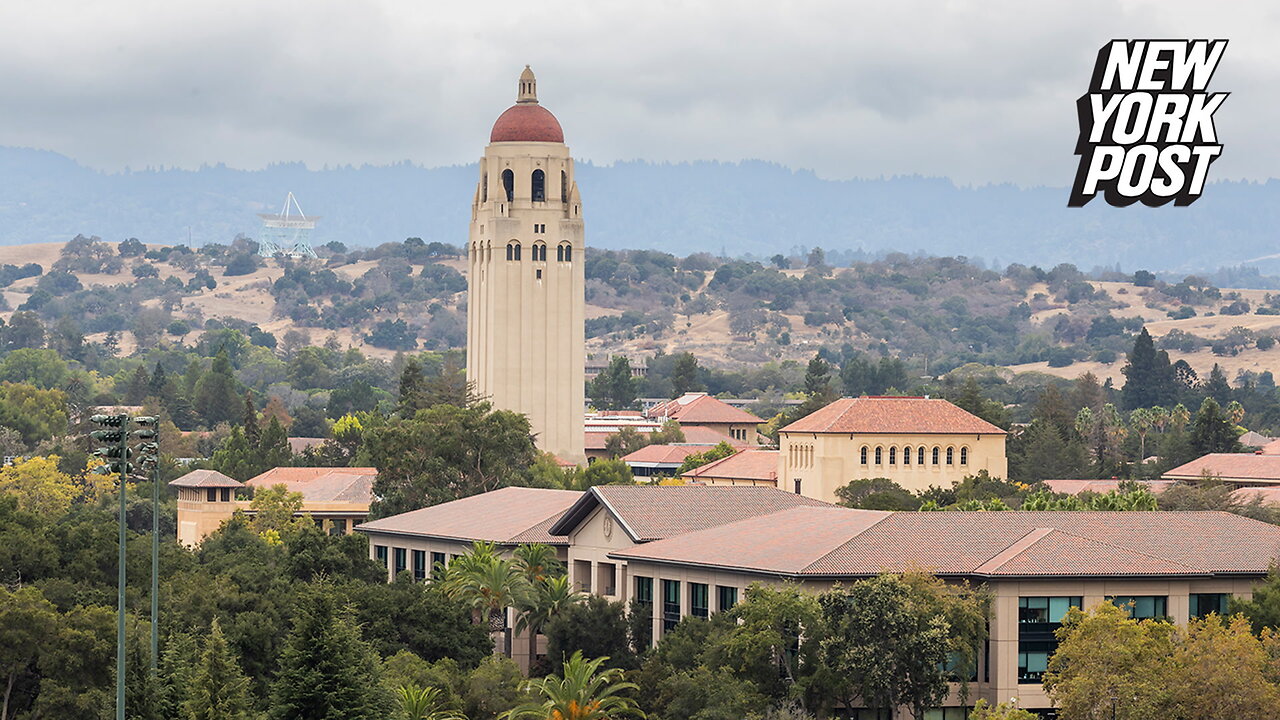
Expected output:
{"points": [[753, 208]]}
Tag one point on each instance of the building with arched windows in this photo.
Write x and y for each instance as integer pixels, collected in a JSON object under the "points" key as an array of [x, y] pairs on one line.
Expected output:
{"points": [[525, 304], [914, 441]]}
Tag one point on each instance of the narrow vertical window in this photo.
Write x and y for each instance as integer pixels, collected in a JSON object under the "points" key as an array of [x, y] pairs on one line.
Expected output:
{"points": [[699, 600], [509, 183], [564, 186], [893, 456], [864, 454], [906, 455], [484, 192], [920, 456], [879, 456], [670, 604], [964, 456], [419, 565], [951, 456], [935, 456], [560, 253], [539, 186]]}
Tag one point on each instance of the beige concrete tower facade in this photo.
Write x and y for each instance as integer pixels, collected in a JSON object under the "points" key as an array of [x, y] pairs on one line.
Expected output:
{"points": [[525, 290]]}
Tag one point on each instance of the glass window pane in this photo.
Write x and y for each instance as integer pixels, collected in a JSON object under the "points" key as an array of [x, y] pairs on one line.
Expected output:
{"points": [[1058, 608]]}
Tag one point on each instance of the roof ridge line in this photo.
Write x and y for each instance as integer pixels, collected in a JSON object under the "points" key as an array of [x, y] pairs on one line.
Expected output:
{"points": [[887, 514], [1133, 550], [1026, 542]]}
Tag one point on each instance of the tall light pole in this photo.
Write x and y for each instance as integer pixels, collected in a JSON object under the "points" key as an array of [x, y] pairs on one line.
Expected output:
{"points": [[116, 454], [149, 453]]}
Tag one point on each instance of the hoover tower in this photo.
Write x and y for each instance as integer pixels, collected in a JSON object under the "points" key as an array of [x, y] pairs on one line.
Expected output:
{"points": [[525, 289]]}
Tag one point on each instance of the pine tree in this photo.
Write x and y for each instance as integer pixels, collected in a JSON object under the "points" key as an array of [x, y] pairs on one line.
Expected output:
{"points": [[614, 388], [684, 374], [219, 690], [1149, 378], [217, 396], [411, 383], [136, 391], [1212, 431], [1217, 386], [177, 666], [326, 670], [236, 458], [250, 422], [159, 379], [273, 447]]}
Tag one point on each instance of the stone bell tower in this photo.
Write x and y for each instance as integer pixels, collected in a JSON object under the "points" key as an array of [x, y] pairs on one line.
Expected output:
{"points": [[525, 289]]}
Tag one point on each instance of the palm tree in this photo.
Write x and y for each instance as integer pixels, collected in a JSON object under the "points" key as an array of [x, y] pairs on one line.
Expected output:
{"points": [[584, 692], [486, 583], [538, 561], [550, 597], [419, 703]]}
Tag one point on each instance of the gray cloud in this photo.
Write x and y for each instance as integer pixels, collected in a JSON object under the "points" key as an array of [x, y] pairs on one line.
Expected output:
{"points": [[977, 91]]}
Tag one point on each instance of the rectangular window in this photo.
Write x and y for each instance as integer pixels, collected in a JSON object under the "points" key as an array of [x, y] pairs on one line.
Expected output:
{"points": [[644, 589], [419, 565], [337, 527], [797, 481], [437, 565], [401, 564], [953, 666], [1202, 604], [1143, 607], [226, 494], [670, 604], [212, 495], [1038, 618], [726, 598], [951, 713], [380, 554], [699, 604]]}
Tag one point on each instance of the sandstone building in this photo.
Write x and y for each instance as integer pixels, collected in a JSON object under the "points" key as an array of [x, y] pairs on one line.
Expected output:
{"points": [[525, 287]]}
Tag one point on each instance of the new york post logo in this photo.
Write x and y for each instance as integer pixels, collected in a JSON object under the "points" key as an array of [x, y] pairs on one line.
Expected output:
{"points": [[1146, 124]]}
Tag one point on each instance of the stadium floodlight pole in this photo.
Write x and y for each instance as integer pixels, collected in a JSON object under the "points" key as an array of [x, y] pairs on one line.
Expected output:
{"points": [[117, 458], [149, 451]]}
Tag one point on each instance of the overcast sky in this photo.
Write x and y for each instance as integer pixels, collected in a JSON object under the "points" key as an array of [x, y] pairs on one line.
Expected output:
{"points": [[977, 91]]}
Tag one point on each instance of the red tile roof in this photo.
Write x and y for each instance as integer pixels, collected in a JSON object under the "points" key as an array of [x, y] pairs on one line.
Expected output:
{"points": [[322, 484], [850, 543], [205, 479], [697, 435], [1230, 466], [1265, 495], [745, 465], [298, 444], [595, 440], [1271, 448], [664, 454], [1075, 487], [507, 516], [526, 122], [915, 415], [653, 512], [694, 408]]}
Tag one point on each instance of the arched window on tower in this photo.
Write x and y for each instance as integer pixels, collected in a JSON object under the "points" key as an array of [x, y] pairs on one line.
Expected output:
{"points": [[540, 252], [564, 186], [564, 252], [539, 186], [513, 250], [509, 183]]}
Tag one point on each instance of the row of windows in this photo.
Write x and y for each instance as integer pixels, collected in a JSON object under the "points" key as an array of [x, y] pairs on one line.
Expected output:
{"points": [[699, 599], [801, 456], [879, 454], [537, 186], [399, 561], [564, 252]]}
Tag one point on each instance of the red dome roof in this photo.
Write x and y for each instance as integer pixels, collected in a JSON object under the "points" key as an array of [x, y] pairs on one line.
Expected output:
{"points": [[527, 122]]}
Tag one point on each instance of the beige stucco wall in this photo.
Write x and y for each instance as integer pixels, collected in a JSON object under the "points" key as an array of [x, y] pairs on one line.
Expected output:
{"points": [[1003, 654], [589, 561], [525, 319], [824, 462], [198, 517]]}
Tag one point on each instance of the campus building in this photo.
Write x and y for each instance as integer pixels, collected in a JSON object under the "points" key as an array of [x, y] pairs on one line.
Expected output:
{"points": [[694, 550], [525, 285], [336, 498], [916, 442]]}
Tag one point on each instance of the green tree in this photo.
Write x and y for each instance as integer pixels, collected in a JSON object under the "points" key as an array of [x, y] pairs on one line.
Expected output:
{"points": [[615, 387], [596, 628], [326, 670], [273, 447], [890, 637], [252, 432], [27, 621], [762, 643], [235, 457], [1263, 609], [412, 384], [971, 400], [139, 384], [684, 374], [697, 460], [1217, 386], [487, 584], [1149, 378], [445, 453], [36, 414], [494, 687], [600, 472], [624, 442], [984, 710], [39, 486], [219, 690], [1213, 431], [177, 666], [276, 508], [1202, 689], [550, 597], [819, 389], [424, 703], [217, 393], [876, 494], [1109, 665], [582, 691], [41, 368]]}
